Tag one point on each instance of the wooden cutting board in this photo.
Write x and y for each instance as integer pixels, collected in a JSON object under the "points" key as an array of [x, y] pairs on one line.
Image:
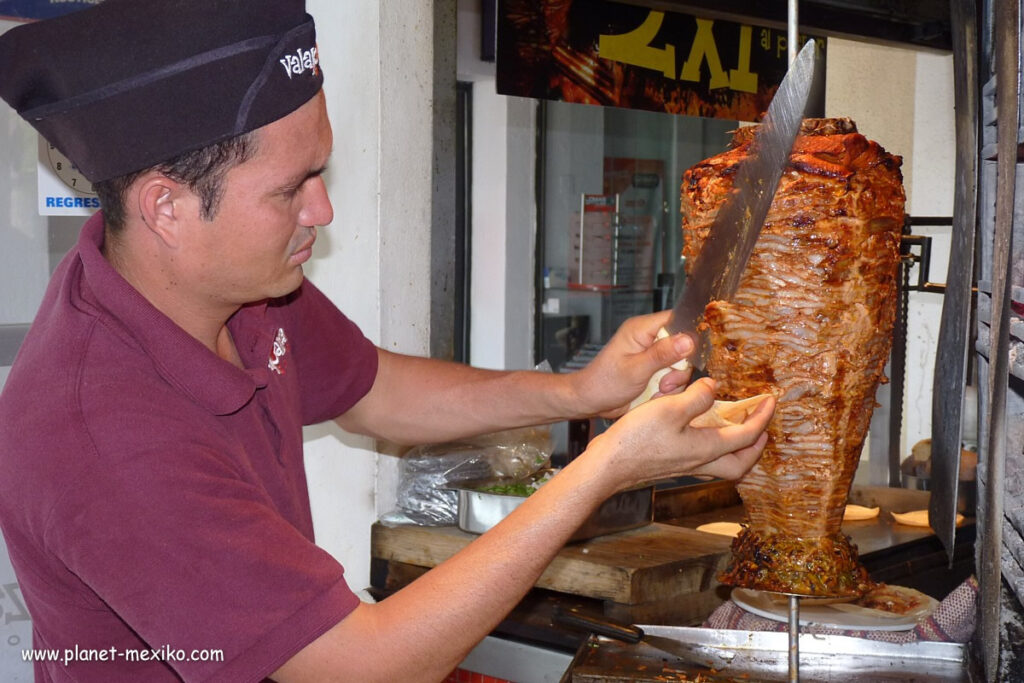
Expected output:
{"points": [[657, 562], [657, 574]]}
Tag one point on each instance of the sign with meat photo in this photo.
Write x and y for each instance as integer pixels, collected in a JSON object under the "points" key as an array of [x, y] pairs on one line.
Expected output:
{"points": [[621, 55]]}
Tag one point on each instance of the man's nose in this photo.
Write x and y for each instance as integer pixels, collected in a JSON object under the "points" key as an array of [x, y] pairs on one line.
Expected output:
{"points": [[318, 209]]}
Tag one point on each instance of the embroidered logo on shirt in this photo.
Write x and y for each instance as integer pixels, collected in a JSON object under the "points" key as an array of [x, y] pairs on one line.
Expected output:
{"points": [[276, 362]]}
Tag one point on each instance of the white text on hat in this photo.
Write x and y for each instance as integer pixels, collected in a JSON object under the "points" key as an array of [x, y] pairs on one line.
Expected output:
{"points": [[299, 62]]}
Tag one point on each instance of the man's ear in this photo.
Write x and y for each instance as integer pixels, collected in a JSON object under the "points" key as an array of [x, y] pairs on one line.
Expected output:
{"points": [[160, 205]]}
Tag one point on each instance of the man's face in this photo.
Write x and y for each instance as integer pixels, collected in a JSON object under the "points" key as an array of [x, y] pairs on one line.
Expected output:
{"points": [[266, 222]]}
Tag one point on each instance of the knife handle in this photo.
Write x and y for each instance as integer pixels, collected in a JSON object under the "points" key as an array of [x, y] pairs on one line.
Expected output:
{"points": [[652, 385], [600, 626]]}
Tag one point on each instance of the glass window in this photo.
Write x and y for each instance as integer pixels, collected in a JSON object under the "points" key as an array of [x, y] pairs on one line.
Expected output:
{"points": [[610, 229]]}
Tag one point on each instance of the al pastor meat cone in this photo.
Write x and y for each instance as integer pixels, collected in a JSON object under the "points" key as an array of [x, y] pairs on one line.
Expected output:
{"points": [[811, 323]]}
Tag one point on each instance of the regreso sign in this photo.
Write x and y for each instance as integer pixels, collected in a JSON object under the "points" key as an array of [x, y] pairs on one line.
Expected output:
{"points": [[29, 10]]}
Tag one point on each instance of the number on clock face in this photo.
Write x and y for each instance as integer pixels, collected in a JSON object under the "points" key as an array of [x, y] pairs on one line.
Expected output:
{"points": [[67, 171]]}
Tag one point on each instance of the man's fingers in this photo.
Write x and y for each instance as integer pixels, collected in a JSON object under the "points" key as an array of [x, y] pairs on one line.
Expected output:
{"points": [[740, 436], [743, 459], [737, 463], [674, 381], [681, 347], [645, 327], [763, 413], [699, 396], [742, 443], [667, 351]]}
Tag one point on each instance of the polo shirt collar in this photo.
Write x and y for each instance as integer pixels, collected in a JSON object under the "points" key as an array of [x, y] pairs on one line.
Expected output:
{"points": [[217, 385]]}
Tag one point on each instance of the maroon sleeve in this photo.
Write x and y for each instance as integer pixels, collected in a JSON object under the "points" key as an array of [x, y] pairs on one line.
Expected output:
{"points": [[337, 363]]}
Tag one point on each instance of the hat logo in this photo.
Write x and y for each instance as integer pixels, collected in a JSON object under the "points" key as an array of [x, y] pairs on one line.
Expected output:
{"points": [[300, 62]]}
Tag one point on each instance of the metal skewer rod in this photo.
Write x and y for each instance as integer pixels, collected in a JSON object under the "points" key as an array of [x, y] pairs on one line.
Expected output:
{"points": [[794, 639], [792, 31]]}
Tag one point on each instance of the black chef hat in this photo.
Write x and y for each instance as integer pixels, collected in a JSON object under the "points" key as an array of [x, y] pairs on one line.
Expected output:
{"points": [[128, 84]]}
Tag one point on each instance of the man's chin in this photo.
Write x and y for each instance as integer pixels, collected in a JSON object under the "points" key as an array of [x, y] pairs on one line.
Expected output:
{"points": [[287, 287]]}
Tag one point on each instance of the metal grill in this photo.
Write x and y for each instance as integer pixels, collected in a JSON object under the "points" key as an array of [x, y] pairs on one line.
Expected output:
{"points": [[999, 346]]}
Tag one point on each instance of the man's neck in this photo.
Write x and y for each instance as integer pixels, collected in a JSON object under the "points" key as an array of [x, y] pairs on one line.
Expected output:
{"points": [[173, 297]]}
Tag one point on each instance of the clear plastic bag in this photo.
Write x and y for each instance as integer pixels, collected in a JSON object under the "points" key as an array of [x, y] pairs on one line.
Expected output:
{"points": [[428, 473]]}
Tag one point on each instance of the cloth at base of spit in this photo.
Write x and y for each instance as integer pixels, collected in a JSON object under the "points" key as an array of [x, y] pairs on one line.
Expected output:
{"points": [[952, 621]]}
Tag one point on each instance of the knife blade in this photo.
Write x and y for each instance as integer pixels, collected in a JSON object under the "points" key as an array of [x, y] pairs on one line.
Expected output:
{"points": [[720, 264], [716, 273], [692, 654], [952, 349]]}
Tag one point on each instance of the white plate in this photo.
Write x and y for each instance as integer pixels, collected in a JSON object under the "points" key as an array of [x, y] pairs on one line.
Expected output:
{"points": [[846, 616]]}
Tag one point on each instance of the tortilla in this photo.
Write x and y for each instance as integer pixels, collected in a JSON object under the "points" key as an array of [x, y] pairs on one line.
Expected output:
{"points": [[859, 512], [730, 529], [726, 413], [918, 518]]}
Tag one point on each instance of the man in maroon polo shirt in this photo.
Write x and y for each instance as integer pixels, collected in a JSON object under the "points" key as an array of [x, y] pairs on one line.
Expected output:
{"points": [[152, 491]]}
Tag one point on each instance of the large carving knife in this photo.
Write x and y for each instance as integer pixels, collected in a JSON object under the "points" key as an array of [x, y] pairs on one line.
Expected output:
{"points": [[718, 268]]}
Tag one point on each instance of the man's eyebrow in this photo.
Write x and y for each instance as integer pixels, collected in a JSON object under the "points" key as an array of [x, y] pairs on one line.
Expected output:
{"points": [[300, 177], [323, 168]]}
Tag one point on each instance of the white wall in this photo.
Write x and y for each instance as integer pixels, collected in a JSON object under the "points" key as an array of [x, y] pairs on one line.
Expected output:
{"points": [[374, 259], [933, 172], [903, 99], [504, 230]]}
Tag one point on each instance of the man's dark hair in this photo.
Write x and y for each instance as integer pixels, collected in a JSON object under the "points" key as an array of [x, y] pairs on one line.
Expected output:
{"points": [[202, 170]]}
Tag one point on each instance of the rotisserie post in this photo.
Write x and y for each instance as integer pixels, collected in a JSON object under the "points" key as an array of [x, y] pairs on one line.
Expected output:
{"points": [[811, 323]]}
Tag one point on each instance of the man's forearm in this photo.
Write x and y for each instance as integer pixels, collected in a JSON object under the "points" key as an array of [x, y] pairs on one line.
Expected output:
{"points": [[420, 400], [422, 632]]}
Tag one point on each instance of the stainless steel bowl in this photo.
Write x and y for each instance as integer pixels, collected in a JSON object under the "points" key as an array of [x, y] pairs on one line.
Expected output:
{"points": [[481, 510]]}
